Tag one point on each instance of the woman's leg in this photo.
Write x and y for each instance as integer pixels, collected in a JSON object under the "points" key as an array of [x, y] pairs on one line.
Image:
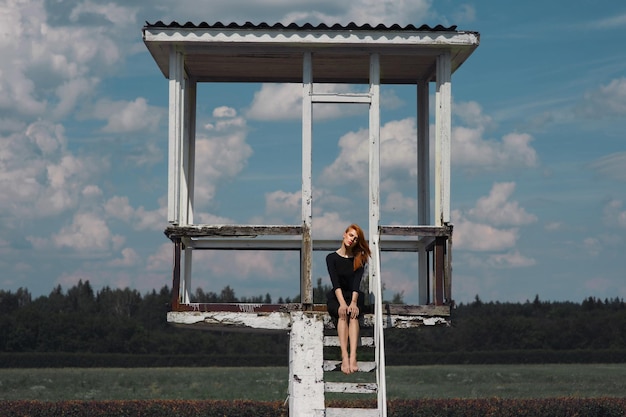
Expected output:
{"points": [[353, 330], [342, 334]]}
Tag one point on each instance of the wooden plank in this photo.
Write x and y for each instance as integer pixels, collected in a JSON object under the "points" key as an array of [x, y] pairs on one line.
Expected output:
{"points": [[416, 310], [352, 412], [443, 133], [351, 387], [445, 230], [231, 321], [175, 130], [363, 341], [239, 307], [423, 181], [388, 310], [229, 230], [330, 366], [341, 98], [263, 243], [306, 284]]}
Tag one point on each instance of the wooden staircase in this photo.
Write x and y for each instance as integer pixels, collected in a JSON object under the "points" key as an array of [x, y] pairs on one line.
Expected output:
{"points": [[351, 387], [375, 342]]}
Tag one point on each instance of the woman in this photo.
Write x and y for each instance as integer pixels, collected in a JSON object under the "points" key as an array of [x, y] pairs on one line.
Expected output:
{"points": [[345, 301]]}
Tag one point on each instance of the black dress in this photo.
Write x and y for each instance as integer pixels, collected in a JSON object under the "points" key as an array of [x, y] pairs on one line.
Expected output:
{"points": [[343, 275]]}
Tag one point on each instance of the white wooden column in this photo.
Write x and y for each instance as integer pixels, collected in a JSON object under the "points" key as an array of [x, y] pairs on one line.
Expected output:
{"points": [[175, 134], [190, 145], [423, 182], [306, 285], [443, 123], [306, 371], [374, 165], [187, 182]]}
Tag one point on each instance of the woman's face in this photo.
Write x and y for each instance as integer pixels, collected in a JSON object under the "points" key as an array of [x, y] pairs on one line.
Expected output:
{"points": [[350, 238]]}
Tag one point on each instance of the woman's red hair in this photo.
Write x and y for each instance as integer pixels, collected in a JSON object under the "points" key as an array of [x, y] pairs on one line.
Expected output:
{"points": [[361, 251]]}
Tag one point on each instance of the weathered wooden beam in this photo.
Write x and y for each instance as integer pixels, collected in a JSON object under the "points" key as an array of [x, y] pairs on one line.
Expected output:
{"points": [[262, 243], [440, 267], [445, 230], [205, 230], [251, 318], [176, 276], [239, 307]]}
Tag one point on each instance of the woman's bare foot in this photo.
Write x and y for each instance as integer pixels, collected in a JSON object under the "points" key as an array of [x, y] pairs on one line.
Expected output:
{"points": [[354, 367], [345, 365]]}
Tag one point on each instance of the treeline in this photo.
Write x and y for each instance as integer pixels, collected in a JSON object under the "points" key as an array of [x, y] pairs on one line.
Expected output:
{"points": [[81, 321], [531, 332]]}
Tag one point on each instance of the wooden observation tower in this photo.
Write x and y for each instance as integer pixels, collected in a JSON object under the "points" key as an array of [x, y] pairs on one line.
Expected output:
{"points": [[351, 54]]}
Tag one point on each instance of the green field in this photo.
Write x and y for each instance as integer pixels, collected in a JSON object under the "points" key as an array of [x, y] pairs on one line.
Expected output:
{"points": [[270, 384]]}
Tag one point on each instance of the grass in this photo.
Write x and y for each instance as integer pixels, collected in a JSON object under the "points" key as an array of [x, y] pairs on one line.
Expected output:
{"points": [[270, 384]]}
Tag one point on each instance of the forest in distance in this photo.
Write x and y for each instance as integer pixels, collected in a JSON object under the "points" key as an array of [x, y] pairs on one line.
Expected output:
{"points": [[116, 321]]}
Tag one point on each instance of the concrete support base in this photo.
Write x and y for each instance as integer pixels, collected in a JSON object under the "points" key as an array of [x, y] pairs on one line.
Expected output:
{"points": [[306, 373]]}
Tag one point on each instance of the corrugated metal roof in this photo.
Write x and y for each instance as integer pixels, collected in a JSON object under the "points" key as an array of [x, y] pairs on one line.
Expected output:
{"points": [[295, 26], [274, 53]]}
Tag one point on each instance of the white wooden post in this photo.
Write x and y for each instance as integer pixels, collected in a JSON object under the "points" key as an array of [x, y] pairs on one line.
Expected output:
{"points": [[306, 284], [175, 133], [187, 180], [374, 163], [306, 372], [443, 123], [423, 182]]}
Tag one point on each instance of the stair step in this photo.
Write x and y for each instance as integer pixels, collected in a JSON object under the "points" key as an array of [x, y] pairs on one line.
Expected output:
{"points": [[363, 341], [349, 412], [341, 98], [351, 387], [336, 366]]}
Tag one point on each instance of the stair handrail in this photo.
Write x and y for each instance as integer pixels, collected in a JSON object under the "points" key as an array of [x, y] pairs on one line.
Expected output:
{"points": [[378, 330]]}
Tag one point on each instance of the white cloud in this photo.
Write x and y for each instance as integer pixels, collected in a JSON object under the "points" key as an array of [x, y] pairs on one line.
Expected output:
{"points": [[70, 92], [611, 166], [611, 22], [38, 176], [119, 208], [87, 233], [614, 214], [330, 225], [91, 191], [47, 68], [480, 237], [224, 111], [220, 156], [399, 203], [366, 11], [161, 259], [129, 258], [284, 102], [512, 259], [398, 154], [607, 101], [282, 202], [476, 229], [150, 219], [472, 151], [399, 150], [128, 116], [591, 246], [497, 210], [553, 226], [239, 264], [116, 14], [140, 219]]}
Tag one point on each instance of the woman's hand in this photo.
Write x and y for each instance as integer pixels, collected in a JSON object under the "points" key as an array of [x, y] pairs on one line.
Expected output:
{"points": [[343, 311], [353, 310]]}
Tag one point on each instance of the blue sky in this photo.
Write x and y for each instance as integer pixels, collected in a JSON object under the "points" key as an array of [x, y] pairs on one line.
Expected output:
{"points": [[538, 150]]}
